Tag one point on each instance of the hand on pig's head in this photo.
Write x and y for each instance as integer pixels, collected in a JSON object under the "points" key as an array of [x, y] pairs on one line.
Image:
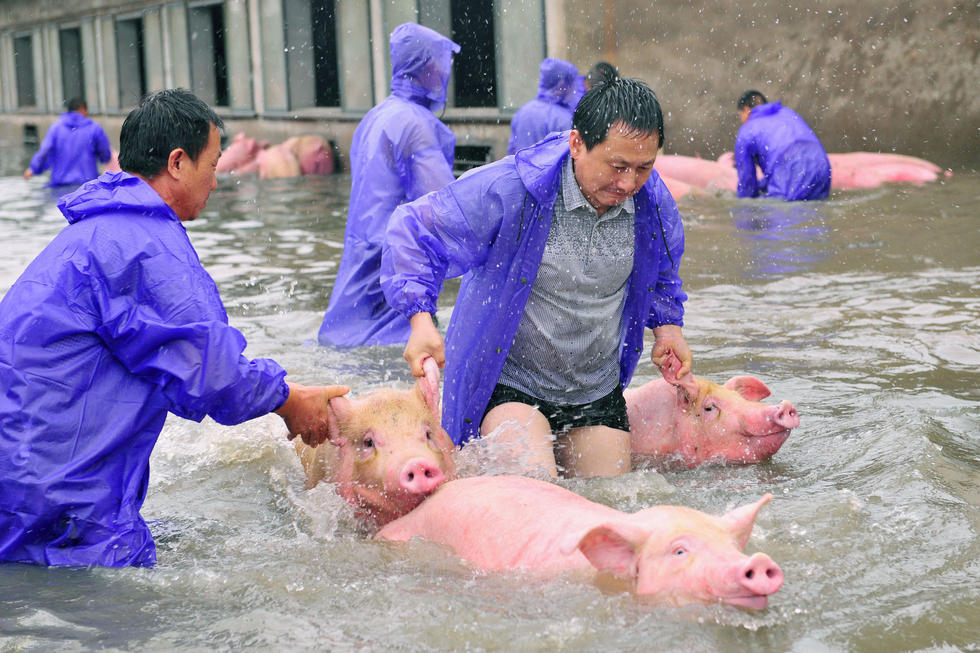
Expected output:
{"points": [[677, 555]]}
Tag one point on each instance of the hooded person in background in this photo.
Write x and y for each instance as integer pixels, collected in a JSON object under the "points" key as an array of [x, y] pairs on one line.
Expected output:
{"points": [[793, 162], [71, 148], [400, 151], [559, 90], [112, 326]]}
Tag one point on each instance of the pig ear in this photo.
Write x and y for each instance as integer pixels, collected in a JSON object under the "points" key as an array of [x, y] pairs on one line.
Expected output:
{"points": [[428, 386], [749, 387], [611, 547], [740, 521], [339, 410]]}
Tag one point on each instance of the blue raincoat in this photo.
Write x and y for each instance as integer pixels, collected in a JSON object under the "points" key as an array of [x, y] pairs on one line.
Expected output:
{"points": [[111, 327], [551, 110], [492, 224], [793, 162], [71, 148], [400, 151]]}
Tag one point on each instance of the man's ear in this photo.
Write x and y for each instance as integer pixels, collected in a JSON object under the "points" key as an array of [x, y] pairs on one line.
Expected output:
{"points": [[177, 160], [576, 146]]}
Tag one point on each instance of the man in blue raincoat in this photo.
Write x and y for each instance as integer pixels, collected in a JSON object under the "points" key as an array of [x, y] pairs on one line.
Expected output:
{"points": [[71, 148], [400, 152], [112, 326], [559, 89], [570, 249], [794, 164]]}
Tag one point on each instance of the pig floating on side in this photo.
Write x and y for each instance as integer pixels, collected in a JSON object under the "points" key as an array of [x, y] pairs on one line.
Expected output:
{"points": [[692, 420], [240, 157], [387, 449], [667, 554]]}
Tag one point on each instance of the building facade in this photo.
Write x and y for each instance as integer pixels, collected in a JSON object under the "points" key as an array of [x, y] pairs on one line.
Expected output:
{"points": [[272, 68]]}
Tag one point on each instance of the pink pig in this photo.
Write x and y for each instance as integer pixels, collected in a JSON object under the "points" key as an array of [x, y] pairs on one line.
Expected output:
{"points": [[313, 154], [667, 554], [389, 449], [693, 420], [240, 155]]}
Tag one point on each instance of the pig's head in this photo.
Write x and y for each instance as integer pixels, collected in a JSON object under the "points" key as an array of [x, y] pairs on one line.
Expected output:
{"points": [[728, 422], [313, 153], [676, 555], [393, 451]]}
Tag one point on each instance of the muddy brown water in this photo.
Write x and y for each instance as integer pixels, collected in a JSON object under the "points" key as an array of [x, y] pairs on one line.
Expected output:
{"points": [[862, 310]]}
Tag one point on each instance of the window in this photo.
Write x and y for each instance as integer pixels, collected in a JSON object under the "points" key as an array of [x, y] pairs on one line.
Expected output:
{"points": [[209, 65], [129, 59], [24, 64], [474, 68], [325, 73], [72, 73], [311, 53]]}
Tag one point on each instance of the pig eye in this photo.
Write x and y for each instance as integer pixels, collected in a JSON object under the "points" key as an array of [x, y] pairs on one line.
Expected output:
{"points": [[368, 442], [679, 551]]}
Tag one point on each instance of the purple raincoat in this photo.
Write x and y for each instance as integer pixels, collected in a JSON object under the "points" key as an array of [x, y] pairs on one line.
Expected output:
{"points": [[551, 110], [793, 162], [114, 324], [492, 224], [71, 148], [400, 151]]}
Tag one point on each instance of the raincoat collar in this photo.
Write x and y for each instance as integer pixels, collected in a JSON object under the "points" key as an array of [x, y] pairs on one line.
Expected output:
{"points": [[114, 191], [539, 166], [766, 109], [421, 62], [74, 119]]}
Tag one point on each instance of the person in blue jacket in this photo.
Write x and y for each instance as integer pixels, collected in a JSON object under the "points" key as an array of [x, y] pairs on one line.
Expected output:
{"points": [[551, 111], [570, 249], [775, 138], [400, 151], [71, 148], [112, 326]]}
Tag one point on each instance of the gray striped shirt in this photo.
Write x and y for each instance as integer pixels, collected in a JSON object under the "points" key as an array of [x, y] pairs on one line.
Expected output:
{"points": [[566, 350]]}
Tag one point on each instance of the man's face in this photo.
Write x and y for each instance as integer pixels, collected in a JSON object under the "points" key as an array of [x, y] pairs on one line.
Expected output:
{"points": [[614, 169], [743, 114], [197, 178]]}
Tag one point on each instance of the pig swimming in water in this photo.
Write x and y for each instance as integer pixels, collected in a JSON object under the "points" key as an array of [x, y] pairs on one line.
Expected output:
{"points": [[690, 421], [667, 554], [389, 449]]}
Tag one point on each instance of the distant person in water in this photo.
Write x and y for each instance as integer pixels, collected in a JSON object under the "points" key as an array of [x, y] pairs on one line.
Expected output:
{"points": [[776, 139], [600, 73], [559, 90], [400, 151], [71, 148]]}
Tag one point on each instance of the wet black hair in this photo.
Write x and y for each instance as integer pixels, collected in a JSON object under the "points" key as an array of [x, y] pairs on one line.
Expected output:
{"points": [[164, 121], [624, 100], [751, 99], [75, 104], [601, 73]]}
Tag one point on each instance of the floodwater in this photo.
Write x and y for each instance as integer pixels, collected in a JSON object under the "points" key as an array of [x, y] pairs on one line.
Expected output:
{"points": [[862, 310]]}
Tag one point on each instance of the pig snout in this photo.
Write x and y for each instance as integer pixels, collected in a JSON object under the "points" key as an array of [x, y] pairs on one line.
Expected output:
{"points": [[760, 576], [786, 416], [420, 476]]}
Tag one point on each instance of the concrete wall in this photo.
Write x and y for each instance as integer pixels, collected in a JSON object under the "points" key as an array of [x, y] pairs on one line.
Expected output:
{"points": [[873, 75]]}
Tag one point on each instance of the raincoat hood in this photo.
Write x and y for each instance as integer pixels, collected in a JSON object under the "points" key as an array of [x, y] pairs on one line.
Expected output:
{"points": [[421, 62], [74, 119], [559, 83], [113, 191]]}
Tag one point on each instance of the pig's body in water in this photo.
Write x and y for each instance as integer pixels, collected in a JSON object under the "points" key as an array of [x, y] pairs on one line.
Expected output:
{"points": [[860, 310]]}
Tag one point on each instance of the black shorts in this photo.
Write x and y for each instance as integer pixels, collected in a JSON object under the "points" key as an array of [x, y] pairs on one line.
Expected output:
{"points": [[606, 411]]}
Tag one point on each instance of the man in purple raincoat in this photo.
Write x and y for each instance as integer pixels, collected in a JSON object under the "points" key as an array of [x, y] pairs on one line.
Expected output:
{"points": [[112, 326], [400, 152], [793, 162], [71, 148], [570, 249], [551, 110]]}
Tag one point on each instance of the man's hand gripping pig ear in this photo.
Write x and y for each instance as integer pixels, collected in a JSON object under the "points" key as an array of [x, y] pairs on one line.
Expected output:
{"points": [[670, 349], [307, 411]]}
